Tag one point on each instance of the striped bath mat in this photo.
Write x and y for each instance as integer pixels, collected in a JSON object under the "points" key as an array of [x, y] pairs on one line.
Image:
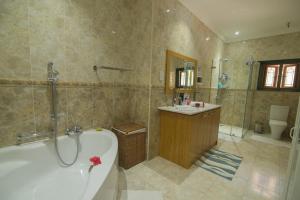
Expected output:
{"points": [[219, 162]]}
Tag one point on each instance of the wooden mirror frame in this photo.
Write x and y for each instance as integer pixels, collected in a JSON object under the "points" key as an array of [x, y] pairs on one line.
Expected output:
{"points": [[168, 89]]}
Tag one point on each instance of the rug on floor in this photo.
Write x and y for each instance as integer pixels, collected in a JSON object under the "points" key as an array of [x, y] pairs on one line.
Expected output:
{"points": [[219, 162]]}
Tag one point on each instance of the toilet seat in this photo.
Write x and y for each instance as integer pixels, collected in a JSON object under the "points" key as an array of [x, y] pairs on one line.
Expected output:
{"points": [[278, 123]]}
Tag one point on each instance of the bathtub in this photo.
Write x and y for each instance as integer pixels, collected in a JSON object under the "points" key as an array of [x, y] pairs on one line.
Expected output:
{"points": [[32, 171]]}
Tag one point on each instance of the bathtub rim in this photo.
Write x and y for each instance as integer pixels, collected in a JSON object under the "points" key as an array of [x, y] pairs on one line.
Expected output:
{"points": [[98, 175]]}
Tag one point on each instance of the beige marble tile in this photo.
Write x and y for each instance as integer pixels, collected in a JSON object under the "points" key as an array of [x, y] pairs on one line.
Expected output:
{"points": [[103, 107], [14, 40], [80, 107], [141, 106], [46, 37], [16, 114], [121, 103], [42, 106], [42, 109]]}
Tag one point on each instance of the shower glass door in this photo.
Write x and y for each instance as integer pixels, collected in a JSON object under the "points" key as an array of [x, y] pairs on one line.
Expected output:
{"points": [[253, 68], [234, 94]]}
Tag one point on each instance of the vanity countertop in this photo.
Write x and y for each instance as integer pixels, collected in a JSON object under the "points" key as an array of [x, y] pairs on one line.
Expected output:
{"points": [[189, 110]]}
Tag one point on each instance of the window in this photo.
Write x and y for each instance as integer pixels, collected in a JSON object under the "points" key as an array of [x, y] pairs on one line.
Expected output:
{"points": [[271, 76], [288, 79], [282, 75]]}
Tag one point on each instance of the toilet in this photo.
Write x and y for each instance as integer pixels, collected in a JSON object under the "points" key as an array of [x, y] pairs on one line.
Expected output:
{"points": [[278, 120]]}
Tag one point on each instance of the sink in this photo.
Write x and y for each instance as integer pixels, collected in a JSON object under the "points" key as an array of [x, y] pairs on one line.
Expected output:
{"points": [[184, 108], [188, 110]]}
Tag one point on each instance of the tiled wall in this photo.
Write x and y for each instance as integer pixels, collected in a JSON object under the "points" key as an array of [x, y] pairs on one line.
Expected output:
{"points": [[75, 35], [271, 48], [26, 108]]}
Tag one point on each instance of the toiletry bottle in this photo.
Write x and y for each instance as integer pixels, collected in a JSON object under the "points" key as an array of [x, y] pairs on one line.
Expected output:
{"points": [[179, 101], [185, 101], [188, 101]]}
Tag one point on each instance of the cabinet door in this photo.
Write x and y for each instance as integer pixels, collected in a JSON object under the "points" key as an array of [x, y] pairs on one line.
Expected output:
{"points": [[199, 134], [206, 130], [167, 135], [215, 120]]}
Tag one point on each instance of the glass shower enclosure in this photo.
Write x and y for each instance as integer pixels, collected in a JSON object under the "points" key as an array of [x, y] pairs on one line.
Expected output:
{"points": [[234, 93]]}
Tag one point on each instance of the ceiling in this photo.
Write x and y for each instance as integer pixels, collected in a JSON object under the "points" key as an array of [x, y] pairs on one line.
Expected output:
{"points": [[252, 18]]}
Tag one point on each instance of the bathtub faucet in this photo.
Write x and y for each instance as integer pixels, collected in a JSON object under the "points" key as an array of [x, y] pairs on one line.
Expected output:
{"points": [[74, 130]]}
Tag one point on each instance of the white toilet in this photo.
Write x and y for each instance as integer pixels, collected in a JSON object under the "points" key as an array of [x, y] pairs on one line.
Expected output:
{"points": [[278, 120]]}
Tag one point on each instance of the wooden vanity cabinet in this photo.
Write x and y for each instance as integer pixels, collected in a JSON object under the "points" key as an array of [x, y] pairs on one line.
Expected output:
{"points": [[183, 138]]}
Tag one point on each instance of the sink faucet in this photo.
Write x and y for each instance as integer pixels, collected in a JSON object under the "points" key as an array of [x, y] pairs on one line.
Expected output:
{"points": [[177, 100], [174, 101]]}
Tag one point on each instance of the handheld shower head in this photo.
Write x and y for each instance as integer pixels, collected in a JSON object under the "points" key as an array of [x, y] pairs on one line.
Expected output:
{"points": [[52, 73]]}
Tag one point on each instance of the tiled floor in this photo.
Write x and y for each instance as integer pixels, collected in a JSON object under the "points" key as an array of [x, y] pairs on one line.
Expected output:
{"points": [[231, 130], [268, 139], [260, 176], [140, 194]]}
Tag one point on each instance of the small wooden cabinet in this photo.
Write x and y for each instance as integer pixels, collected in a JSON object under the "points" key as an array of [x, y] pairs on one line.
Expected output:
{"points": [[183, 138], [132, 144]]}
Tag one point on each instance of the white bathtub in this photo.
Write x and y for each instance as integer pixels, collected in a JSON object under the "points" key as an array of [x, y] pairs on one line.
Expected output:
{"points": [[32, 172]]}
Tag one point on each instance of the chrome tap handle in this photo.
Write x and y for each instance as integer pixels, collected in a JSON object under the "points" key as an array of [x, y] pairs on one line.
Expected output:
{"points": [[77, 129], [74, 130], [67, 131]]}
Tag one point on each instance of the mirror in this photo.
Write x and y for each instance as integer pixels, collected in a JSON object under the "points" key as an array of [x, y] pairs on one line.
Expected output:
{"points": [[181, 73]]}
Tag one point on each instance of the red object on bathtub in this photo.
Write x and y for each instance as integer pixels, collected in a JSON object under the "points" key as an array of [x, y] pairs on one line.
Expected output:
{"points": [[95, 160]]}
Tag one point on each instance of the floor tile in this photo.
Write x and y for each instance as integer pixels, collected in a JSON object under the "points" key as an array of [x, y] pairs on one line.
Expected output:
{"points": [[260, 176]]}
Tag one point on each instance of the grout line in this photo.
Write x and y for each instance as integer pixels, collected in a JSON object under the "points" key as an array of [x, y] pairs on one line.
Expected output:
{"points": [[65, 71], [30, 63], [150, 81]]}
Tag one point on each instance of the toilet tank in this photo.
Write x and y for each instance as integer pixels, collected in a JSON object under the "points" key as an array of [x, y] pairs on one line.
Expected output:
{"points": [[279, 113]]}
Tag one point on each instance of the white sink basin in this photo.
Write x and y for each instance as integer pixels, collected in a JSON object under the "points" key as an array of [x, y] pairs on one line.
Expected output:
{"points": [[184, 108], [188, 110]]}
